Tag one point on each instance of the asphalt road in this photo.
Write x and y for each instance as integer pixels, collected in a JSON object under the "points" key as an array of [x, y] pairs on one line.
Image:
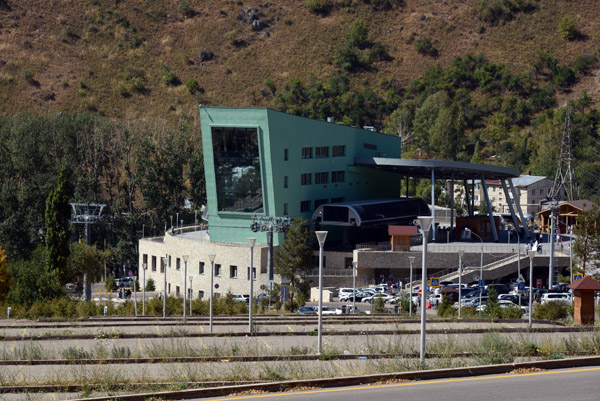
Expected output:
{"points": [[580, 384]]}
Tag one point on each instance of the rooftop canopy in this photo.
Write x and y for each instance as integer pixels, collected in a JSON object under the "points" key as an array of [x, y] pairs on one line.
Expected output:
{"points": [[444, 169]]}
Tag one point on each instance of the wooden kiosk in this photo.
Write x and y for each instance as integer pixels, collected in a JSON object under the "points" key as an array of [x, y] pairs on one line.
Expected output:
{"points": [[583, 302]]}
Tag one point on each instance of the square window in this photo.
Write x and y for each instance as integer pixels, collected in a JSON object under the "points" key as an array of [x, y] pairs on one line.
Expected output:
{"points": [[200, 294], [305, 206], [306, 179], [338, 151], [321, 178], [337, 176], [307, 153], [200, 267], [320, 202], [233, 272], [322, 151]]}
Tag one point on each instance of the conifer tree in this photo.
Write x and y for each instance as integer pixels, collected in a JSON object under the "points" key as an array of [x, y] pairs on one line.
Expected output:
{"points": [[58, 234]]}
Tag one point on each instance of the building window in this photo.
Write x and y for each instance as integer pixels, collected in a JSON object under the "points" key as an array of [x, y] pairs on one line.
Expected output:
{"points": [[200, 294], [305, 206], [176, 290], [169, 288], [153, 263], [217, 295], [315, 261], [162, 266], [337, 176], [145, 259], [307, 153], [541, 191], [285, 154], [337, 200], [178, 264], [370, 146], [285, 181], [321, 178], [218, 270], [200, 267], [320, 202], [253, 272], [285, 210], [338, 151], [533, 192], [169, 260], [306, 179], [322, 151], [232, 271], [348, 263]]}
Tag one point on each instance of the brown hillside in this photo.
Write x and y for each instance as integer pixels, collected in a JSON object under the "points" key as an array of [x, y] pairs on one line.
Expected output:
{"points": [[111, 57]]}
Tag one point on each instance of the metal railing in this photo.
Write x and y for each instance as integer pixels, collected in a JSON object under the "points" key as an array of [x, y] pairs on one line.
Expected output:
{"points": [[332, 272]]}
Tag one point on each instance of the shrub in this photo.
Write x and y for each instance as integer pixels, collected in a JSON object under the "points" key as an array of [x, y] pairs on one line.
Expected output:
{"points": [[192, 85], [384, 4], [425, 47], [150, 286], [379, 305], [358, 36], [28, 75], [318, 6], [168, 76], [185, 8], [378, 52], [231, 36], [550, 311], [584, 62], [568, 28], [347, 58], [494, 349], [445, 308], [122, 90], [564, 77], [110, 284]]}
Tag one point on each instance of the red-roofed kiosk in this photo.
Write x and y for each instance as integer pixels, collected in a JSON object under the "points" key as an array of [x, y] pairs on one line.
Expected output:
{"points": [[583, 303]]}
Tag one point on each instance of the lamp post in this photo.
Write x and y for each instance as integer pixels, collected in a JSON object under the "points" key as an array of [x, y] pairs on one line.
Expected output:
{"points": [[411, 259], [480, 266], [185, 260], [211, 257], [191, 294], [135, 295], [321, 236], [425, 223], [354, 270], [251, 242], [531, 257], [144, 267], [461, 253], [552, 230], [164, 260]]}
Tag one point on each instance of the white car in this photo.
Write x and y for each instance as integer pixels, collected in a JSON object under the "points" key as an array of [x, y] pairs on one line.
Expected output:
{"points": [[562, 297], [385, 298], [242, 298], [327, 310]]}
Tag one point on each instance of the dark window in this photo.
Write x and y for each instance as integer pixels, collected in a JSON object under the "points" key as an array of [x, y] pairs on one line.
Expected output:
{"points": [[169, 260], [153, 263], [253, 272], [338, 151], [200, 294], [315, 261], [305, 206], [178, 264], [321, 178], [232, 271], [337, 176], [218, 270], [162, 265], [285, 210], [337, 200], [322, 151], [169, 288], [306, 179], [237, 169], [307, 153], [145, 259], [348, 263], [200, 267], [285, 181], [335, 213], [369, 146], [320, 202], [285, 154], [217, 295], [176, 290]]}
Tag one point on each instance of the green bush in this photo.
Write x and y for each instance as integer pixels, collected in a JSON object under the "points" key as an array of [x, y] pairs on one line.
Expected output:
{"points": [[550, 311], [168, 76], [185, 8], [232, 36], [150, 286], [496, 11], [348, 58], [567, 28], [192, 86], [110, 284], [445, 308], [378, 52], [318, 6], [358, 36], [379, 305], [584, 62], [425, 47]]}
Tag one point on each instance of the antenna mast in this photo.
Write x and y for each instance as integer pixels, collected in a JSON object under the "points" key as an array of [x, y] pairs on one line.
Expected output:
{"points": [[565, 177]]}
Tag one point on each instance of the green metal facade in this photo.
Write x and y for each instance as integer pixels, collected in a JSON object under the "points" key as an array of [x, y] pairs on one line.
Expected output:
{"points": [[280, 133]]}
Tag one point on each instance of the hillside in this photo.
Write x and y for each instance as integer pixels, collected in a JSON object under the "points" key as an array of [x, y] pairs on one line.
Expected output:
{"points": [[132, 59]]}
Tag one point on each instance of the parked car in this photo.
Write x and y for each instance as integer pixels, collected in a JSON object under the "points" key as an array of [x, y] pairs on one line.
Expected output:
{"points": [[242, 298], [342, 292], [500, 288], [327, 310], [124, 282], [435, 299], [360, 295], [561, 297], [372, 299], [349, 309], [307, 310]]}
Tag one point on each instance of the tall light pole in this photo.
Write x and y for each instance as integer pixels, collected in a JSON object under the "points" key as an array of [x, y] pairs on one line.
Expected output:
{"points": [[191, 294], [480, 266], [532, 253], [211, 257], [552, 229], [411, 259], [461, 253], [164, 260], [251, 242], [144, 267], [135, 295], [321, 236], [185, 260], [425, 223], [354, 269]]}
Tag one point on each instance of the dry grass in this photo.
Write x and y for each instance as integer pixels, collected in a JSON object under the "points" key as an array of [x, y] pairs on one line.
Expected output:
{"points": [[67, 42]]}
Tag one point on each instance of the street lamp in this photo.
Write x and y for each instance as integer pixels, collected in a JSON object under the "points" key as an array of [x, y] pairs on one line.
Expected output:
{"points": [[531, 257], [461, 253], [144, 267], [211, 257], [354, 270], [480, 266], [251, 242], [185, 260], [134, 295], [191, 294], [411, 259], [164, 261], [321, 235], [425, 223]]}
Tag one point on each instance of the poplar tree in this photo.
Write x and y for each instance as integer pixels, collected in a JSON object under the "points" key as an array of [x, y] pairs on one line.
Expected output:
{"points": [[58, 234]]}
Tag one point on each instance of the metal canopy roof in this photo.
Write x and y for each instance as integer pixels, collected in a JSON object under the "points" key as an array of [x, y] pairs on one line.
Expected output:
{"points": [[443, 169]]}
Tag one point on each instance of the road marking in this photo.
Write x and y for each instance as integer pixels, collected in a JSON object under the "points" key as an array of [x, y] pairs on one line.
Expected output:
{"points": [[157, 330], [54, 396], [412, 383], [290, 328], [24, 330], [202, 342], [113, 329], [266, 343], [202, 329]]}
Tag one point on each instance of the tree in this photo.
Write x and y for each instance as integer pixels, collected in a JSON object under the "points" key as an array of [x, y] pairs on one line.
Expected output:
{"points": [[33, 280], [5, 276], [150, 285], [58, 233], [84, 261], [587, 243], [293, 256]]}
